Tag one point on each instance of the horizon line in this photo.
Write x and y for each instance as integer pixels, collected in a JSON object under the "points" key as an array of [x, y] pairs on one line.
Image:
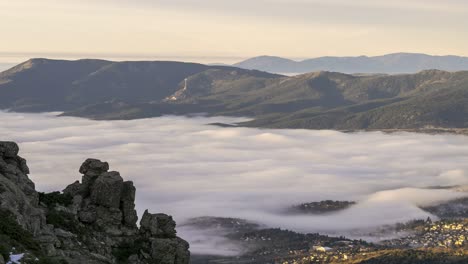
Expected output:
{"points": [[25, 56]]}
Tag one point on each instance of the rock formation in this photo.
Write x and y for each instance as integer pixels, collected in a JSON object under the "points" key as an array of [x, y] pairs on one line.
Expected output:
{"points": [[17, 191], [94, 221]]}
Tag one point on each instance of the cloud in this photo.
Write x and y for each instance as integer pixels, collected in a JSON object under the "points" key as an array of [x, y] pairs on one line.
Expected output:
{"points": [[454, 177], [185, 168], [210, 241]]}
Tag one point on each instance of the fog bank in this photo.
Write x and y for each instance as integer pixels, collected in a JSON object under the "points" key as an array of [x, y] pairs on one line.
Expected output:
{"points": [[185, 168]]}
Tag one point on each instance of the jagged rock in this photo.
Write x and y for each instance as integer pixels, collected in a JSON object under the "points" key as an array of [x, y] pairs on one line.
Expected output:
{"points": [[6, 168], [88, 215], [91, 169], [94, 217], [109, 204], [108, 217], [22, 165], [8, 149], [182, 253], [163, 250], [130, 216], [73, 189], [86, 183], [169, 250], [76, 204], [17, 191], [128, 192], [94, 167], [158, 225], [107, 189]]}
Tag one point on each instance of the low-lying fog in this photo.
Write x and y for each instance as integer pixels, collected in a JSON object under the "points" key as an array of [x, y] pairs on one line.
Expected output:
{"points": [[185, 168]]}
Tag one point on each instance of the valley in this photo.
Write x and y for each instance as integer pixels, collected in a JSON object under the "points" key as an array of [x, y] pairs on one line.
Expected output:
{"points": [[234, 132], [338, 183]]}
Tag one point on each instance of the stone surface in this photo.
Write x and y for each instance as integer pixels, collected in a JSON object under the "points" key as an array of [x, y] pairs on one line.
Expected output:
{"points": [[73, 189], [128, 192], [182, 252], [22, 165], [94, 167], [163, 250], [8, 149], [130, 216], [17, 191], [107, 190], [158, 225], [88, 215]]}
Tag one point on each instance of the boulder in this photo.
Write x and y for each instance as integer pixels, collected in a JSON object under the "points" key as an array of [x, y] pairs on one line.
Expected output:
{"points": [[128, 192], [17, 191], [91, 168], [130, 216], [22, 165], [94, 167], [182, 252], [88, 215], [76, 204], [158, 225], [108, 217], [100, 218], [107, 190], [163, 250], [73, 189], [170, 251], [8, 149]]}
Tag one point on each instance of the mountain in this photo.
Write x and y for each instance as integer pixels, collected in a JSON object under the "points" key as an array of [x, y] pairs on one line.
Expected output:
{"points": [[390, 64], [318, 100], [428, 99], [270, 64], [89, 222], [322, 100], [57, 85]]}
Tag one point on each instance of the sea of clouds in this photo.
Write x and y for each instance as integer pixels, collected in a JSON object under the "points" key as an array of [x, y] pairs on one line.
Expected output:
{"points": [[186, 168]]}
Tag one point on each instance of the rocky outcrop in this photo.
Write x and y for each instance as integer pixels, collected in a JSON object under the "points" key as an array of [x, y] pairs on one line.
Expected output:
{"points": [[92, 221], [164, 244], [17, 191]]}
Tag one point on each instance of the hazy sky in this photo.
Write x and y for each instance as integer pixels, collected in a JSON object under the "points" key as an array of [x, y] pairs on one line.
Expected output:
{"points": [[230, 30]]}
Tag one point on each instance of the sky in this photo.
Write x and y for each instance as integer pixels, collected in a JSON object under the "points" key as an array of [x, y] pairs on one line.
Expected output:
{"points": [[229, 31], [185, 168]]}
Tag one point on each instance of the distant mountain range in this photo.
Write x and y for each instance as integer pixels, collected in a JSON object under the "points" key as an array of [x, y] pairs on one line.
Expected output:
{"points": [[320, 100], [390, 63]]}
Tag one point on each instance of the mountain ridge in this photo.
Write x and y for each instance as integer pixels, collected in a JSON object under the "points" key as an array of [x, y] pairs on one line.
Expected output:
{"points": [[390, 63], [317, 100], [74, 83]]}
